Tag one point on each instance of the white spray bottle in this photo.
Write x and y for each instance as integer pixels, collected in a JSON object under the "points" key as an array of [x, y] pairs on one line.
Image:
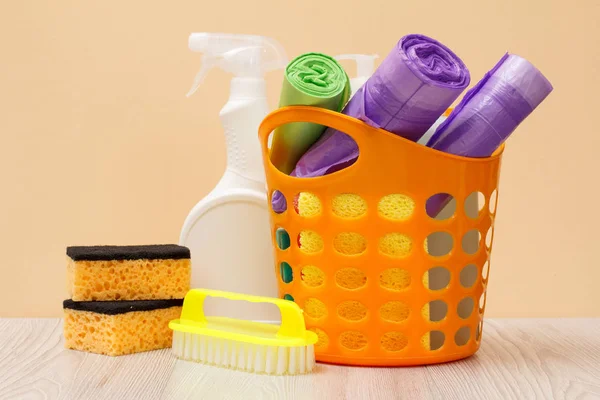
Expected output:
{"points": [[228, 231], [365, 66]]}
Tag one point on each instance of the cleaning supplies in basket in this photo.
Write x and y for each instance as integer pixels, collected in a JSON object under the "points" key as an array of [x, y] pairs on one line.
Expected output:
{"points": [[492, 109], [311, 79], [489, 113], [409, 91], [351, 217], [256, 347], [235, 212]]}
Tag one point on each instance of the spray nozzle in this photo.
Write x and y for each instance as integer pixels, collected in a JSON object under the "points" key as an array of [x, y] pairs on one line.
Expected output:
{"points": [[242, 55]]}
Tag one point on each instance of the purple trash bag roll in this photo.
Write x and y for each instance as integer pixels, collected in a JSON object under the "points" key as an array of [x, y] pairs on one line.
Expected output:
{"points": [[489, 113], [409, 91]]}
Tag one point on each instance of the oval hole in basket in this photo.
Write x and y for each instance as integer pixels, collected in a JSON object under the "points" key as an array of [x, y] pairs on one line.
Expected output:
{"points": [[396, 207], [468, 276], [435, 311], [315, 308], [312, 276], [395, 279], [350, 278], [437, 278], [351, 310], [278, 202], [310, 242], [288, 297], [482, 301], [488, 237], [348, 206], [433, 340], [396, 245], [474, 203], [465, 307], [285, 272], [353, 340], [470, 241], [282, 238], [350, 243], [493, 201], [440, 206], [394, 341], [307, 205], [394, 311], [323, 338], [439, 244], [462, 336], [485, 270]]}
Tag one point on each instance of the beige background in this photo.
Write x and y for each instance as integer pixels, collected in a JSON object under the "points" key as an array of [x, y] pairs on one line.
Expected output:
{"points": [[100, 145]]}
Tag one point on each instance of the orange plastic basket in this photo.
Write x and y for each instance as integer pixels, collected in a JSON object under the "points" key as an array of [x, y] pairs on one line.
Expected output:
{"points": [[378, 307]]}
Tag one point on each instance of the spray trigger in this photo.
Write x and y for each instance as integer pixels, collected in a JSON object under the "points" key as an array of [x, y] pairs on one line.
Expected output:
{"points": [[241, 55]]}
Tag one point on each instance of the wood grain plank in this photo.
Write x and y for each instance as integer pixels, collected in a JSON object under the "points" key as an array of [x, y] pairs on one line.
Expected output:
{"points": [[35, 365], [519, 359]]}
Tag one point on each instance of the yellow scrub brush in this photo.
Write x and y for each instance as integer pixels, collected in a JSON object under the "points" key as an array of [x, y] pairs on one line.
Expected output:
{"points": [[244, 345]]}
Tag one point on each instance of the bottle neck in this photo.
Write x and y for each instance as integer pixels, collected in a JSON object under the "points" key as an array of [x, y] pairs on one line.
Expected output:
{"points": [[241, 117], [242, 88]]}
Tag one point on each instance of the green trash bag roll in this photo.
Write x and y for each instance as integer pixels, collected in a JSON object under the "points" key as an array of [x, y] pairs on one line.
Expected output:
{"points": [[311, 79]]}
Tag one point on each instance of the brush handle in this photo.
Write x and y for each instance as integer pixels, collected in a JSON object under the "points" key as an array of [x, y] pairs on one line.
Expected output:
{"points": [[292, 321]]}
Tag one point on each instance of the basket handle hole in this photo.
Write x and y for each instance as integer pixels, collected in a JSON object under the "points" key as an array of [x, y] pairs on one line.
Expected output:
{"points": [[318, 150]]}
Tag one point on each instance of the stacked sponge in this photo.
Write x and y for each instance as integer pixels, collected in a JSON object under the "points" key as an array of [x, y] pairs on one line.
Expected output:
{"points": [[123, 297]]}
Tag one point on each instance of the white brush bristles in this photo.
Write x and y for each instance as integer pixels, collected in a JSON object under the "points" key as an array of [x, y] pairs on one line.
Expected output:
{"points": [[260, 359]]}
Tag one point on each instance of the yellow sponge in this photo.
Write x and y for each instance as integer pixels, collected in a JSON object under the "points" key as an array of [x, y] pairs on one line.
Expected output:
{"points": [[350, 278], [397, 207], [312, 276], [394, 311], [350, 243], [106, 273], [395, 245], [315, 308], [308, 205], [119, 327], [349, 205], [353, 340], [394, 279], [310, 242], [323, 338], [352, 310], [394, 341]]}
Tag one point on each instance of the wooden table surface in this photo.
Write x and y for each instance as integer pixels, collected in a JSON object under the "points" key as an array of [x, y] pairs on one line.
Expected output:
{"points": [[518, 359]]}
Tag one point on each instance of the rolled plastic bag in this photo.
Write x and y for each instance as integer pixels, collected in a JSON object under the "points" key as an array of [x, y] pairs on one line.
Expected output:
{"points": [[311, 79], [489, 113], [408, 92]]}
